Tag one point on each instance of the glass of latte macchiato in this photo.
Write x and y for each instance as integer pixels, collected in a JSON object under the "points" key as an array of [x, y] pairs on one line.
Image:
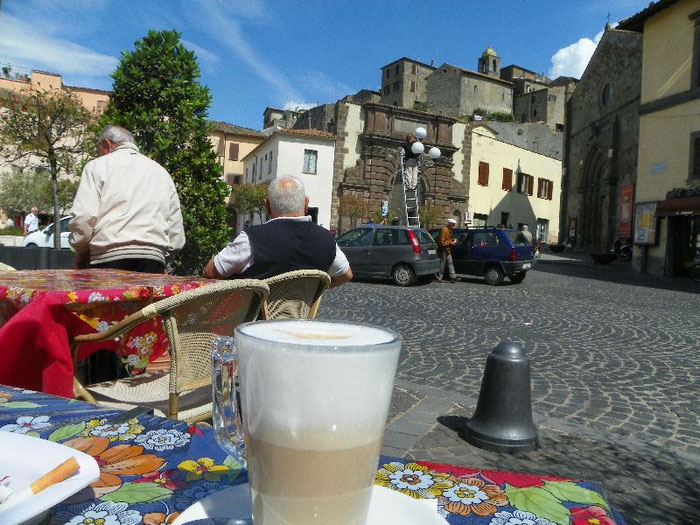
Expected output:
{"points": [[314, 398]]}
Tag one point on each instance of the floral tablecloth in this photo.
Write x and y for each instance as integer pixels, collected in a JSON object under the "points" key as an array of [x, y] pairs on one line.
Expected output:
{"points": [[152, 469], [40, 310]]}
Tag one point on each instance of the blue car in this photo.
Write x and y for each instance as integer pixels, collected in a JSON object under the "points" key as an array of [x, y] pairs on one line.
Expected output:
{"points": [[492, 252]]}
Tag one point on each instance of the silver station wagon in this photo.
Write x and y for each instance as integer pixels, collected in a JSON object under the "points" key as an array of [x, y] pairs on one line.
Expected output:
{"points": [[399, 253]]}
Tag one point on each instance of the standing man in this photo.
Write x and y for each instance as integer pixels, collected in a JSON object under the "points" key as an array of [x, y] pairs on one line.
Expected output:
{"points": [[525, 232], [126, 214], [445, 243], [31, 221], [410, 162], [288, 241]]}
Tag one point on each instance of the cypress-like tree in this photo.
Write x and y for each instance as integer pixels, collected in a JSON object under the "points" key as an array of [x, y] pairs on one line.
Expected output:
{"points": [[157, 96]]}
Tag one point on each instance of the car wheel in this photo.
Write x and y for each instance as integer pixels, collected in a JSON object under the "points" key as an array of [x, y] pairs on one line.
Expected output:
{"points": [[30, 245], [517, 277], [493, 275], [403, 275]]}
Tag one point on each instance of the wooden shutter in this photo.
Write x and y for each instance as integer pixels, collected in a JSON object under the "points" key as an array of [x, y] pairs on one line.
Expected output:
{"points": [[550, 189], [233, 151], [507, 179], [530, 184], [483, 173]]}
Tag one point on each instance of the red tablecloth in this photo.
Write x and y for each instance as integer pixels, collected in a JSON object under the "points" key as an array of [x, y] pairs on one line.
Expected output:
{"points": [[41, 310]]}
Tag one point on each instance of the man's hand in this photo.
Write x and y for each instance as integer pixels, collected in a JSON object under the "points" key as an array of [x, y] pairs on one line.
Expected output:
{"points": [[341, 279], [81, 260], [210, 272]]}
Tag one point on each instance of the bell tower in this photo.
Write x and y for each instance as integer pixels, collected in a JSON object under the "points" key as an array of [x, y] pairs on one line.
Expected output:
{"points": [[490, 63]]}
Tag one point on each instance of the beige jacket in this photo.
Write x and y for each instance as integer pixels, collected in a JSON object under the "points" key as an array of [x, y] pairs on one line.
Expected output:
{"points": [[126, 207]]}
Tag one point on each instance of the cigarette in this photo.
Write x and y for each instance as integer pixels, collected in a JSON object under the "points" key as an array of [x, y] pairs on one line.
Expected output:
{"points": [[55, 475]]}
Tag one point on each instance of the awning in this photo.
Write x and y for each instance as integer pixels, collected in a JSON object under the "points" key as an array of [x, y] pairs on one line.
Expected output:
{"points": [[679, 206]]}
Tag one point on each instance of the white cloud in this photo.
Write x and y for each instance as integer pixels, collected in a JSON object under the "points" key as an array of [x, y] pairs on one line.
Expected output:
{"points": [[202, 54], [572, 60], [325, 87], [294, 105], [23, 44]]}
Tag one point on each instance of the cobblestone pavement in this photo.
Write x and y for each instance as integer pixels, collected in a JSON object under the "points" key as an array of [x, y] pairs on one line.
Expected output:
{"points": [[614, 376]]}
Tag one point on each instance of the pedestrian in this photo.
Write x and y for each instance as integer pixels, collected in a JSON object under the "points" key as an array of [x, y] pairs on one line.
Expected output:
{"points": [[126, 213], [525, 232], [410, 162], [31, 221], [288, 241], [445, 243]]}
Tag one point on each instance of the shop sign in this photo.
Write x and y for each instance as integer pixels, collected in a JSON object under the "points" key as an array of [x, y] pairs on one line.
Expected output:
{"points": [[624, 226]]}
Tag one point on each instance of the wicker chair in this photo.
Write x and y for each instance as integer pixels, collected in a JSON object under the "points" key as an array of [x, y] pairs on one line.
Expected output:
{"points": [[295, 295], [192, 319]]}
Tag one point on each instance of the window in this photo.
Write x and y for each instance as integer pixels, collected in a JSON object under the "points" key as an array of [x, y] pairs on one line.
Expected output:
{"points": [[525, 183], [387, 89], [507, 179], [413, 85], [542, 232], [396, 85], [479, 220], [483, 174], [269, 166], [484, 239], [233, 151], [552, 98], [559, 127], [358, 237], [246, 174], [310, 159], [605, 95], [413, 69], [695, 156], [545, 188], [397, 69], [237, 180], [255, 165], [388, 72], [504, 218]]}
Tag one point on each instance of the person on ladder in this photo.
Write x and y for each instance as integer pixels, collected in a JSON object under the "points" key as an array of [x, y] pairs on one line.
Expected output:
{"points": [[410, 163]]}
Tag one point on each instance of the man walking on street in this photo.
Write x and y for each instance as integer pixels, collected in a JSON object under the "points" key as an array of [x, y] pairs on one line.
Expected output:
{"points": [[288, 241], [445, 243], [31, 221], [126, 213]]}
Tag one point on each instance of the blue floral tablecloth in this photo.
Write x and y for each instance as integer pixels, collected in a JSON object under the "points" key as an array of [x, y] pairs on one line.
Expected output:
{"points": [[151, 469]]}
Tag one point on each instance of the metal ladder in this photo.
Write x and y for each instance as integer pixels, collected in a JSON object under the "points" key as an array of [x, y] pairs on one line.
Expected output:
{"points": [[410, 197]]}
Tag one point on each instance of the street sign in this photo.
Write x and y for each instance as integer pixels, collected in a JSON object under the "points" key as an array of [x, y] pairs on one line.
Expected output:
{"points": [[385, 208]]}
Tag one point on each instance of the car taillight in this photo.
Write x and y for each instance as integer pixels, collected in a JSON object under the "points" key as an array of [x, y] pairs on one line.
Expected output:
{"points": [[513, 255], [414, 241]]}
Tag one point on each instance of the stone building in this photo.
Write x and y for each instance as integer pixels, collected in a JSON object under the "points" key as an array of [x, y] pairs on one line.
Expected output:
{"points": [[231, 144], [459, 92], [667, 194], [545, 104], [284, 118], [368, 137], [524, 80], [18, 79], [601, 142], [404, 82]]}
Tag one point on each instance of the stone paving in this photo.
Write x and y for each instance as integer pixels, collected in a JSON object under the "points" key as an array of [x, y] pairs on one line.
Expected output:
{"points": [[614, 375]]}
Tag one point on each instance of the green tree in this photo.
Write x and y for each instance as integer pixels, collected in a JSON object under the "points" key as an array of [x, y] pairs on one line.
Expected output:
{"points": [[429, 215], [22, 190], [157, 96], [352, 206], [250, 199], [44, 129]]}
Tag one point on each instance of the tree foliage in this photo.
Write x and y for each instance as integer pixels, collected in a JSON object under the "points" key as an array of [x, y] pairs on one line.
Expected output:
{"points": [[354, 207], [430, 215], [250, 198], [157, 96], [22, 190], [44, 129]]}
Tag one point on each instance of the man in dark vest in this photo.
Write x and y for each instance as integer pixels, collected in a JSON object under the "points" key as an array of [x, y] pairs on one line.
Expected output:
{"points": [[288, 241]]}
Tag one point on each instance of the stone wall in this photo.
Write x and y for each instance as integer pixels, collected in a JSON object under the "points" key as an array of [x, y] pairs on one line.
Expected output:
{"points": [[602, 137], [533, 136]]}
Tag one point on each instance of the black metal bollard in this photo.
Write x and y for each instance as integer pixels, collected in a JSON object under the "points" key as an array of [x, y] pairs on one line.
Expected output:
{"points": [[502, 421]]}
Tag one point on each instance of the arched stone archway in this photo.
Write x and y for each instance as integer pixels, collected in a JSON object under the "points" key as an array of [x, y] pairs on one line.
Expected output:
{"points": [[596, 202]]}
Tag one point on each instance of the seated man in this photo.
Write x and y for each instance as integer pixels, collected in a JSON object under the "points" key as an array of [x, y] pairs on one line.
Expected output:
{"points": [[288, 241]]}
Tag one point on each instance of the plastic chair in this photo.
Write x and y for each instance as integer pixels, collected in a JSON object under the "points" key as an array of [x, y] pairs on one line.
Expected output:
{"points": [[192, 319], [295, 295]]}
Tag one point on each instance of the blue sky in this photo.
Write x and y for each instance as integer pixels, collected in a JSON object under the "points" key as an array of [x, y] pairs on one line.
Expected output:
{"points": [[284, 53]]}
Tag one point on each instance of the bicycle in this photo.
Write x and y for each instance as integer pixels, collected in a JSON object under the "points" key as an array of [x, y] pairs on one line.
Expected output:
{"points": [[694, 272]]}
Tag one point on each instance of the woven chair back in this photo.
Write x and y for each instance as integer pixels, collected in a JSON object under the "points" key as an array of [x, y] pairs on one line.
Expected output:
{"points": [[295, 295], [194, 318]]}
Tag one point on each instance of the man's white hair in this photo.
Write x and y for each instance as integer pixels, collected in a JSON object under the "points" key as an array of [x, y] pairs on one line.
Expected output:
{"points": [[117, 134], [286, 195]]}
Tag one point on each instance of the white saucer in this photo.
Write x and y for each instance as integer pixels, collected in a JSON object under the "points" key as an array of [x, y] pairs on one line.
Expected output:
{"points": [[388, 507]]}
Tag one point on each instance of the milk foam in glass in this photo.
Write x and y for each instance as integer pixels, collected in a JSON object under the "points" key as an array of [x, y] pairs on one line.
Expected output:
{"points": [[314, 399]]}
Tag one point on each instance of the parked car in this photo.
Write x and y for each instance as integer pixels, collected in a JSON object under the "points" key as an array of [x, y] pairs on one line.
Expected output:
{"points": [[44, 238], [390, 252], [492, 252]]}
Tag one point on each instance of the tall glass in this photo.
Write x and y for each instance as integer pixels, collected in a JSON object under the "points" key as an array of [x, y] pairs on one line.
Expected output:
{"points": [[314, 398]]}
